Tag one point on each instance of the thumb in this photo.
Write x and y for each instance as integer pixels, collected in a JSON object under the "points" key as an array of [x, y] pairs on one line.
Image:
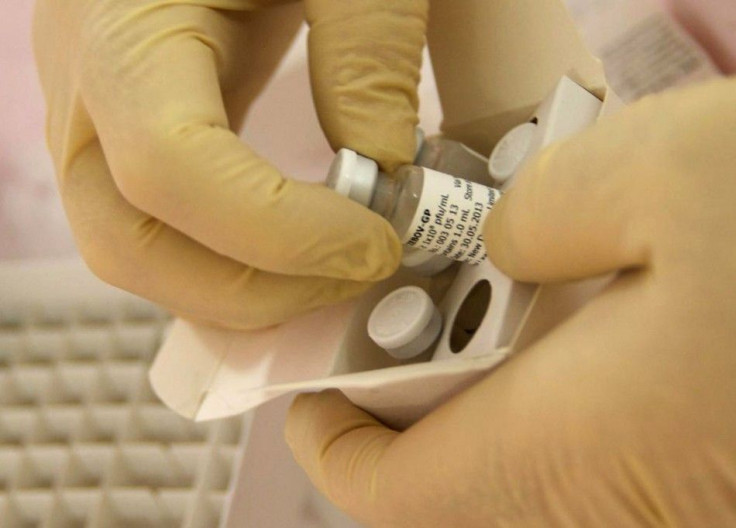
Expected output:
{"points": [[575, 209], [339, 446], [364, 58]]}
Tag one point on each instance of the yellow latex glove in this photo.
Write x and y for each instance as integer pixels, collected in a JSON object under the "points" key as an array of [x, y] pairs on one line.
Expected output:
{"points": [[624, 414], [164, 199]]}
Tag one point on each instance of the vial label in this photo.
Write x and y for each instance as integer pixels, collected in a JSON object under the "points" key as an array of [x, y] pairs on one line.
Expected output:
{"points": [[449, 218]]}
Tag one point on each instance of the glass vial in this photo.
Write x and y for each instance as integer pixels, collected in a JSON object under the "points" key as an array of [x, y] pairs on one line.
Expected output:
{"points": [[423, 263], [428, 210], [454, 158], [511, 152]]}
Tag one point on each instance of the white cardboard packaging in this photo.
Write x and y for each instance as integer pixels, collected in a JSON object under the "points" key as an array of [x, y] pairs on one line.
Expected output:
{"points": [[494, 64]]}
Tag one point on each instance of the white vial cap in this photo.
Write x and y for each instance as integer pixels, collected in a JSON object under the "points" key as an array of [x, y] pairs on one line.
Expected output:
{"points": [[509, 153], [354, 176], [424, 263], [405, 323]]}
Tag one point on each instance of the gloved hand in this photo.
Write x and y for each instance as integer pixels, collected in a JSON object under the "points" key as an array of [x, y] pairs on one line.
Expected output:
{"points": [[164, 199], [624, 414]]}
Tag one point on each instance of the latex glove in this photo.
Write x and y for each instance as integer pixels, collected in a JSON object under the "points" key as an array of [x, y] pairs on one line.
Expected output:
{"points": [[164, 199], [624, 414]]}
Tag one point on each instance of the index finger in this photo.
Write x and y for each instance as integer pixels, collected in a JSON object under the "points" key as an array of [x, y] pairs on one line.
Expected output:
{"points": [[152, 89], [365, 57]]}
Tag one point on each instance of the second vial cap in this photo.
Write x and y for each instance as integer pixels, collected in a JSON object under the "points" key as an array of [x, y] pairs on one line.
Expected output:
{"points": [[405, 323]]}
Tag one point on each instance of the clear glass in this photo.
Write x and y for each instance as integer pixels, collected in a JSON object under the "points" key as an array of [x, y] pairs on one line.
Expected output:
{"points": [[454, 158], [397, 196]]}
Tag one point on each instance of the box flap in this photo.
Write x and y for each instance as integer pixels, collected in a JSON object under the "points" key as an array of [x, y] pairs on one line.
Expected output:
{"points": [[199, 366]]}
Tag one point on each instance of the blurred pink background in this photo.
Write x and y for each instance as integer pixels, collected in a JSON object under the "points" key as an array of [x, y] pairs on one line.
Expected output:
{"points": [[713, 24], [31, 220], [32, 223]]}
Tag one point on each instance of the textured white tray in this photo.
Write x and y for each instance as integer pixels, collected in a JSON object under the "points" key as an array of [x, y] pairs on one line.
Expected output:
{"points": [[83, 440]]}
